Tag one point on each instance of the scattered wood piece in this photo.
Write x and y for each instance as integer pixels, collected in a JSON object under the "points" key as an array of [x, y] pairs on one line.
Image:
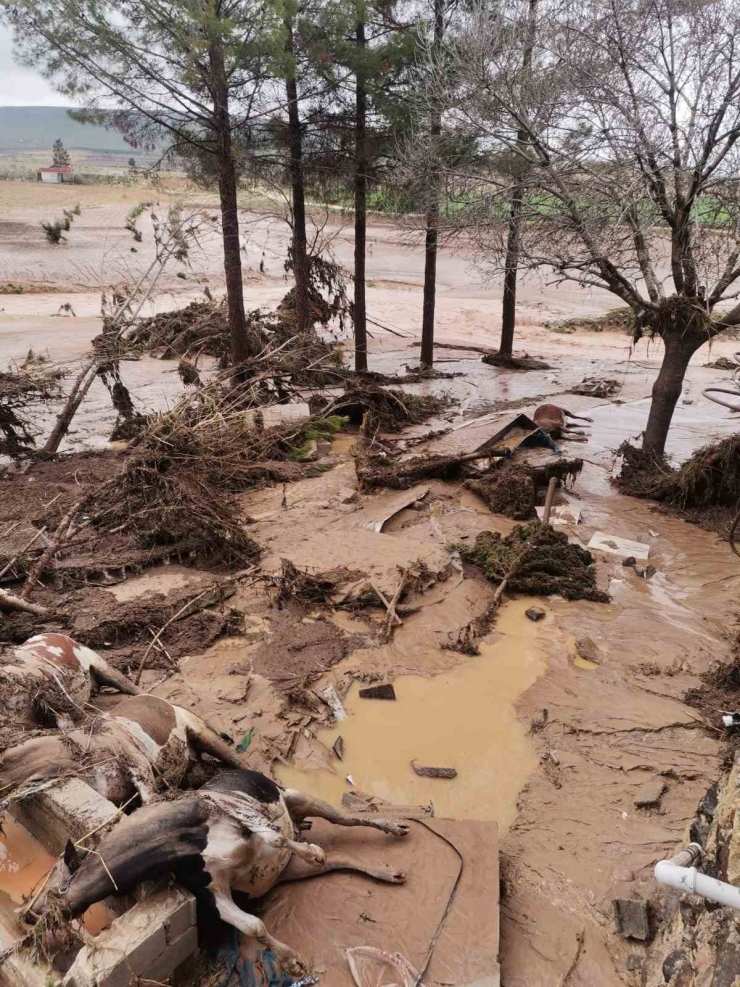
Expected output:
{"points": [[22, 552], [378, 692], [428, 772], [163, 628], [338, 748], [62, 533], [381, 596], [8, 601], [332, 700], [387, 632]]}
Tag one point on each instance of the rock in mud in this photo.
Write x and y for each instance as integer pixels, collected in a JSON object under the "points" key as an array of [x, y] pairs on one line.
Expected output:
{"points": [[589, 650], [378, 692], [348, 495], [430, 772], [632, 918], [650, 794], [630, 562], [535, 613]]}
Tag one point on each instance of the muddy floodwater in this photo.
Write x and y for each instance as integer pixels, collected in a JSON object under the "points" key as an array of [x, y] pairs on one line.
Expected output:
{"points": [[24, 865], [464, 719]]}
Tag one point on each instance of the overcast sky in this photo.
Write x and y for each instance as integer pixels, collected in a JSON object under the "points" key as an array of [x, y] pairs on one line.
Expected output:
{"points": [[20, 86]]}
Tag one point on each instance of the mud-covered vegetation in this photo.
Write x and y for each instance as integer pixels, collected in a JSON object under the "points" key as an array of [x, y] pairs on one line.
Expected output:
{"points": [[535, 560]]}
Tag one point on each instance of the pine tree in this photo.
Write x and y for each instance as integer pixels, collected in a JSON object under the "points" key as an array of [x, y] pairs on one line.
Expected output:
{"points": [[61, 154]]}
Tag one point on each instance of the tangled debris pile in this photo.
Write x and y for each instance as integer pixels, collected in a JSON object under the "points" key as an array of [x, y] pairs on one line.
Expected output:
{"points": [[32, 381], [535, 560], [615, 320], [705, 489], [275, 348], [178, 484], [511, 489], [391, 409], [596, 387]]}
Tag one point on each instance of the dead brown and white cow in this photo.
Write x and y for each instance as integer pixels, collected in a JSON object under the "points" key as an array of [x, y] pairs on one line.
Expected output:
{"points": [[238, 832], [49, 679], [552, 419], [143, 744]]}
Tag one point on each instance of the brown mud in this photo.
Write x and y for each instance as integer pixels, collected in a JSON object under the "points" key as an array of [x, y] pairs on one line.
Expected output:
{"points": [[562, 746]]}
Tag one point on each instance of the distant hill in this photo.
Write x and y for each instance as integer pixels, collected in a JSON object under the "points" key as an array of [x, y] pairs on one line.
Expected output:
{"points": [[25, 128]]}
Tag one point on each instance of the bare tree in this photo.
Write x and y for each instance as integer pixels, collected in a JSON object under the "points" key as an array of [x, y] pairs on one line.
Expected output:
{"points": [[628, 128]]}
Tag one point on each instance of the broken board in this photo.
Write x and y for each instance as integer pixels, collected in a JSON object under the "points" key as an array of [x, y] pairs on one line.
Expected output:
{"points": [[396, 504], [509, 438], [323, 917], [613, 545]]}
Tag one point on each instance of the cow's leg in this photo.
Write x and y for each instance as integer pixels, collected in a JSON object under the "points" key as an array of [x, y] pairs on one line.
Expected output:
{"points": [[301, 806], [253, 928], [308, 852], [141, 774], [297, 870]]}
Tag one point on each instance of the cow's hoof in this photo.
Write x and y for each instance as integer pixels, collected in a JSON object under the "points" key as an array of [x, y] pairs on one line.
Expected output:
{"points": [[392, 875], [293, 964], [398, 828], [317, 855]]}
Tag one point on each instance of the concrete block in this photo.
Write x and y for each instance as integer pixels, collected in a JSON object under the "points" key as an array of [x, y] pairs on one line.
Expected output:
{"points": [[175, 954], [182, 918], [65, 811], [136, 942], [632, 918]]}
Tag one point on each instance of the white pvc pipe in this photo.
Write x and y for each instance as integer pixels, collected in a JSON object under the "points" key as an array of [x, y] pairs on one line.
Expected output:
{"points": [[675, 873]]}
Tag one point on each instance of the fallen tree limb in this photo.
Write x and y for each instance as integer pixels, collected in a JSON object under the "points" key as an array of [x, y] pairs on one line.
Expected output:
{"points": [[8, 601], [58, 538]]}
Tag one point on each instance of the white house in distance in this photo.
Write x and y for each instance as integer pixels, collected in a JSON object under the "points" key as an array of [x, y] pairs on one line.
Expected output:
{"points": [[56, 174]]}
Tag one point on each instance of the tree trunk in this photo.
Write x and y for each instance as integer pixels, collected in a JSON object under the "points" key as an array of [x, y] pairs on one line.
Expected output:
{"points": [[667, 390], [508, 309], [295, 149], [229, 205], [432, 231], [360, 311]]}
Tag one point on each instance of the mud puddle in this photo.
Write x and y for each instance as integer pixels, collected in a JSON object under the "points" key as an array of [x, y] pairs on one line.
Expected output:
{"points": [[24, 864], [464, 718]]}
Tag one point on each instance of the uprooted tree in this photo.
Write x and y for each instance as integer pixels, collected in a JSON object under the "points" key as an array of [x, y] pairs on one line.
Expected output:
{"points": [[628, 132]]}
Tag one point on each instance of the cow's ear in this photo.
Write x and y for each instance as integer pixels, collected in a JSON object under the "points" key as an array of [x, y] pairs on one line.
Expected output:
{"points": [[71, 857]]}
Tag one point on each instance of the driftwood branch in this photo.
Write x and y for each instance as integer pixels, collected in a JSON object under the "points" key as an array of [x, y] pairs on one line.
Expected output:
{"points": [[392, 616], [8, 601], [58, 538]]}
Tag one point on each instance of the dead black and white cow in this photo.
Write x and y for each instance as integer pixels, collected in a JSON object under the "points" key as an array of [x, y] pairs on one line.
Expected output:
{"points": [[238, 832], [142, 741], [49, 679]]}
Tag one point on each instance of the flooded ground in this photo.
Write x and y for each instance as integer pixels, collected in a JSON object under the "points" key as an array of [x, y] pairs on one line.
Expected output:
{"points": [[24, 866], [464, 718], [553, 746]]}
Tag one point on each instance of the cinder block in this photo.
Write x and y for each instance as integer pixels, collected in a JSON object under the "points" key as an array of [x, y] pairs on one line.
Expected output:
{"points": [[182, 917], [175, 954], [69, 810], [133, 944]]}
